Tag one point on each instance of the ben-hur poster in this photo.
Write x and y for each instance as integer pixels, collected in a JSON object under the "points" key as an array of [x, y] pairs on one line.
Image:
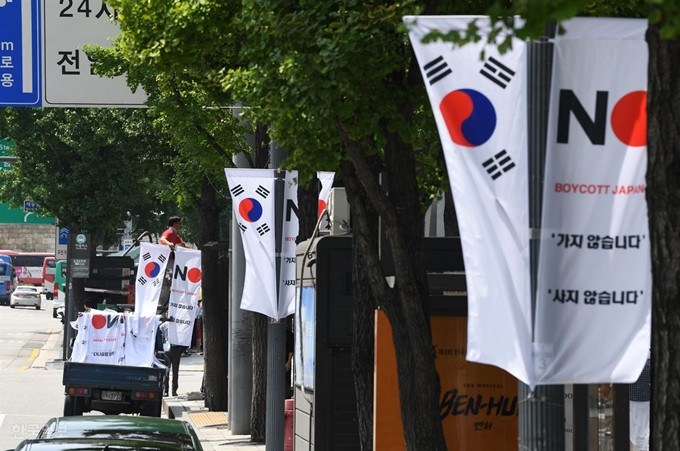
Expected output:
{"points": [[478, 403]]}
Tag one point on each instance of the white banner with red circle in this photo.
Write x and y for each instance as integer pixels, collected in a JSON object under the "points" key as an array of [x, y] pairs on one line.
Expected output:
{"points": [[153, 259], [326, 179], [183, 304], [593, 311], [478, 98], [114, 338], [101, 338]]}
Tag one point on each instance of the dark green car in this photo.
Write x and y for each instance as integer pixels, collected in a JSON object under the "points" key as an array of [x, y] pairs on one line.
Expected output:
{"points": [[140, 431], [94, 444]]}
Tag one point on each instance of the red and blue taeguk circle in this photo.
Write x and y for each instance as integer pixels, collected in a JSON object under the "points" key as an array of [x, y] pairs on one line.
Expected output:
{"points": [[470, 117], [152, 269], [250, 209]]}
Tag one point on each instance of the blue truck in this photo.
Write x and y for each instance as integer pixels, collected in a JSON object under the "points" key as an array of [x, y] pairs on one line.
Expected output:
{"points": [[112, 389]]}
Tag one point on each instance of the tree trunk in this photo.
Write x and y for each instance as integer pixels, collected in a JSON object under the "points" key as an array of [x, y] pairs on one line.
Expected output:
{"points": [[663, 186], [215, 312], [407, 304], [365, 233], [258, 416], [409, 316]]}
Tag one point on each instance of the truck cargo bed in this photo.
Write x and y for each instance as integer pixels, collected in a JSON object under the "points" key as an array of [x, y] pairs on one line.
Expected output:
{"points": [[113, 376]]}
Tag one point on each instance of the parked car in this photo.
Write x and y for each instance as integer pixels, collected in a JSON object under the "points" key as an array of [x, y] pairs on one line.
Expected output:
{"points": [[27, 296], [87, 444], [107, 427]]}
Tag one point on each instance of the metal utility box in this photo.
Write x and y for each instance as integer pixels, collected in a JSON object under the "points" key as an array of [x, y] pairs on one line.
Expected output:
{"points": [[325, 416]]}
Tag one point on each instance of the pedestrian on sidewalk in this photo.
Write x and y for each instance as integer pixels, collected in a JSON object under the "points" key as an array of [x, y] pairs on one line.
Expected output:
{"points": [[174, 356], [640, 395]]}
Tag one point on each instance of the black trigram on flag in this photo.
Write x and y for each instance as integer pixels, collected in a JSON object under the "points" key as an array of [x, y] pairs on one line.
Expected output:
{"points": [[498, 164], [436, 69], [262, 191], [264, 228], [237, 190], [497, 72], [146, 256], [161, 258], [242, 227], [142, 280]]}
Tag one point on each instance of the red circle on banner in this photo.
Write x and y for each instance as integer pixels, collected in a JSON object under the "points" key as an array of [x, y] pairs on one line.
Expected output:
{"points": [[629, 119], [98, 321], [322, 206], [194, 275]]}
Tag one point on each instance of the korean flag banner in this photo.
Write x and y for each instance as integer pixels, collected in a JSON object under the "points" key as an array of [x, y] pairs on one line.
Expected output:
{"points": [[153, 259], [252, 193], [480, 108], [593, 302], [291, 226], [183, 305]]}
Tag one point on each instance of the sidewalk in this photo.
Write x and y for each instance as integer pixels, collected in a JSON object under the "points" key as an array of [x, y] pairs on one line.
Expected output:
{"points": [[211, 427]]}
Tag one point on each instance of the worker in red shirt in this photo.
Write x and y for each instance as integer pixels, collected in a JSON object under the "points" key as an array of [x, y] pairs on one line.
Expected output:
{"points": [[171, 236]]}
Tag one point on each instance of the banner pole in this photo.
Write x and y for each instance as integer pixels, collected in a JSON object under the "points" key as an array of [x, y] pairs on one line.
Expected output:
{"points": [[276, 330], [541, 412]]}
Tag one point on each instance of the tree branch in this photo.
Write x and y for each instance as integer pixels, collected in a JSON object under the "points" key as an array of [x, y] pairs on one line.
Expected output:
{"points": [[199, 128]]}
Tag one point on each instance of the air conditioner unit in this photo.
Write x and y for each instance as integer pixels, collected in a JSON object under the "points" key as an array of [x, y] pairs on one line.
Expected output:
{"points": [[338, 209]]}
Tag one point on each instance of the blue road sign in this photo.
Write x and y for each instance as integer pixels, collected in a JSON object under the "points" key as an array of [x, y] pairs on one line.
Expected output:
{"points": [[29, 205], [63, 235], [20, 55]]}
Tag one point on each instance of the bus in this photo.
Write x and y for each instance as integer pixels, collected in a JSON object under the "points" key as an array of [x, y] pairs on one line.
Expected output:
{"points": [[59, 287], [6, 285], [48, 271], [28, 266]]}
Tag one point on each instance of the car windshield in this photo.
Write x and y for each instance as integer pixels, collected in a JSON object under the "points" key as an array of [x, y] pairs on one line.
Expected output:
{"points": [[31, 289]]}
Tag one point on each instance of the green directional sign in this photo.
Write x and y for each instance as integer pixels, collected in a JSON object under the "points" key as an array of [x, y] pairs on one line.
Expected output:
{"points": [[30, 213], [19, 216], [6, 147]]}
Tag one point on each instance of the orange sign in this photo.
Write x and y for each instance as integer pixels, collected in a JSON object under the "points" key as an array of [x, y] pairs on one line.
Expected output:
{"points": [[478, 403]]}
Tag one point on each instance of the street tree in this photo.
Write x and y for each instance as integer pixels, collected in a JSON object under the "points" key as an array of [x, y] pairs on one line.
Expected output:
{"points": [[91, 168], [188, 103]]}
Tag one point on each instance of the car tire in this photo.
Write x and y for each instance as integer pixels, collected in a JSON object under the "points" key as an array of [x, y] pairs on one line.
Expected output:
{"points": [[12, 306], [37, 307]]}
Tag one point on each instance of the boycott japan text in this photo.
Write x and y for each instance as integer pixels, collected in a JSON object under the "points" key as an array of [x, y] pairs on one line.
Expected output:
{"points": [[591, 188]]}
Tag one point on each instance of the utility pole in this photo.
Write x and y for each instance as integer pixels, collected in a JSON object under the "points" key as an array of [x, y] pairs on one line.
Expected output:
{"points": [[541, 413]]}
